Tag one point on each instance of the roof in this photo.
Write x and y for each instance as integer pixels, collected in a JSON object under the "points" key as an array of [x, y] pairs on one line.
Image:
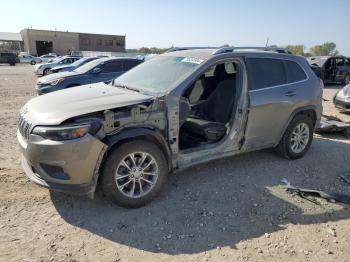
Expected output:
{"points": [[67, 32], [198, 53], [117, 58], [207, 53], [4, 36]]}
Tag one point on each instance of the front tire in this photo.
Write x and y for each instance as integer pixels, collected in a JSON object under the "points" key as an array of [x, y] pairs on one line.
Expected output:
{"points": [[134, 173], [46, 71], [346, 80], [32, 62], [297, 138]]}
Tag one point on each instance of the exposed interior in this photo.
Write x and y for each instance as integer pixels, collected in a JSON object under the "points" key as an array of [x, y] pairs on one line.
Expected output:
{"points": [[206, 107]]}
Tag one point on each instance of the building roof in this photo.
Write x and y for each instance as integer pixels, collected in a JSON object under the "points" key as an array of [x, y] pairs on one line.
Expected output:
{"points": [[4, 36]]}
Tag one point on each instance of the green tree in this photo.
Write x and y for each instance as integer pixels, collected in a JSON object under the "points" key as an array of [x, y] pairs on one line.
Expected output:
{"points": [[325, 49], [296, 49], [152, 50]]}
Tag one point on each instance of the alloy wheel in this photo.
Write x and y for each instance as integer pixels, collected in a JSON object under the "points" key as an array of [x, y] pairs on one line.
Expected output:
{"points": [[299, 138], [136, 174]]}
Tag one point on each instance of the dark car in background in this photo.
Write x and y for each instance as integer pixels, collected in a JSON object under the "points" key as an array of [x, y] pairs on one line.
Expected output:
{"points": [[71, 67], [9, 58], [331, 69], [99, 70]]}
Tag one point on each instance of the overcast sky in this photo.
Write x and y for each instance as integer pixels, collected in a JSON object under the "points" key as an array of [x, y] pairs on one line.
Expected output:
{"points": [[190, 22]]}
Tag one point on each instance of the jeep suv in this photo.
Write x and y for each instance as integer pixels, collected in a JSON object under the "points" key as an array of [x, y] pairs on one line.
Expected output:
{"points": [[173, 111], [9, 58]]}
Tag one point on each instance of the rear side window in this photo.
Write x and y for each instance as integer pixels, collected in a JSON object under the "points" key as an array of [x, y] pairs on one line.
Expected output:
{"points": [[128, 64], [265, 72], [112, 66], [294, 72]]}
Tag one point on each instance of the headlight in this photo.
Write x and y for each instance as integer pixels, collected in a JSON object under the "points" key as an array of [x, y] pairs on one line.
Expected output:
{"points": [[341, 94], [53, 82], [62, 133]]}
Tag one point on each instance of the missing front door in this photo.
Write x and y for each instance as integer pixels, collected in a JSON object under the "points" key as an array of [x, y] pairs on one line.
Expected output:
{"points": [[43, 47]]}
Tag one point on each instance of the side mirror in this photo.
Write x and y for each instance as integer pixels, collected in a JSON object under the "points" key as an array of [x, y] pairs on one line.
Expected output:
{"points": [[96, 70]]}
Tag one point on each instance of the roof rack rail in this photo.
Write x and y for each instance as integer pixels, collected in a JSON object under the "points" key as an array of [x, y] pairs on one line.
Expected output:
{"points": [[233, 48], [173, 49]]}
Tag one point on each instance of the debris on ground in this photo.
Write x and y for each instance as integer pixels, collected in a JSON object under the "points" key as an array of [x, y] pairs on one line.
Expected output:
{"points": [[332, 124], [304, 193], [346, 177]]}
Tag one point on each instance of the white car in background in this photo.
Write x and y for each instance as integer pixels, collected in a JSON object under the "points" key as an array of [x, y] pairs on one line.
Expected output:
{"points": [[46, 58], [44, 69], [29, 59]]}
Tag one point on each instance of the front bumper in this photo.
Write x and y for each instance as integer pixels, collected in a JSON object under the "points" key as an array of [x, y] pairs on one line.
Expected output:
{"points": [[47, 89], [341, 104], [68, 166], [38, 71]]}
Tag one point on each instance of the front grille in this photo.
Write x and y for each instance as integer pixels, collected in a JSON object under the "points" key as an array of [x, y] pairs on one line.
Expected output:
{"points": [[24, 126]]}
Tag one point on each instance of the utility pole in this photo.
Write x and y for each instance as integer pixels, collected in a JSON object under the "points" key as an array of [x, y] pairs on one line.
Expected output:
{"points": [[267, 42]]}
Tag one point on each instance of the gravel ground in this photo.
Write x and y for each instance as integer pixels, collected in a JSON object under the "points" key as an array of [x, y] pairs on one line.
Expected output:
{"points": [[233, 209]]}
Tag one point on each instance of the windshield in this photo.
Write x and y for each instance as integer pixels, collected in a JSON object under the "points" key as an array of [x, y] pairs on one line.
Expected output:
{"points": [[88, 66], [80, 62], [56, 59], [158, 74]]}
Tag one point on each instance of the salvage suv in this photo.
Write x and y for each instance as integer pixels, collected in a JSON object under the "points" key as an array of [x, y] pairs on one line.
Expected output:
{"points": [[173, 111]]}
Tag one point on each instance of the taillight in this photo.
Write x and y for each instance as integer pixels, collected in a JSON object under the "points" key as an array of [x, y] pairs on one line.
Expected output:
{"points": [[321, 84]]}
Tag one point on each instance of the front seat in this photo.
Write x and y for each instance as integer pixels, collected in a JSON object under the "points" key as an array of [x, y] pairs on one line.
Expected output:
{"points": [[215, 113]]}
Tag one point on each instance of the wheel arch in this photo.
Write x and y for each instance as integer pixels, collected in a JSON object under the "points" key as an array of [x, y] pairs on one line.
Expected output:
{"points": [[144, 133], [310, 111]]}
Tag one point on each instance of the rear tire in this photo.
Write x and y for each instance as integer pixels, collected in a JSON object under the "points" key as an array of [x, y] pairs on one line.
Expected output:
{"points": [[127, 180], [297, 138], [32, 62], [12, 63]]}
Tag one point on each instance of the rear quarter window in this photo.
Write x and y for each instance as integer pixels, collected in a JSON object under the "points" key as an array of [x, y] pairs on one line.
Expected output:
{"points": [[294, 72], [265, 72]]}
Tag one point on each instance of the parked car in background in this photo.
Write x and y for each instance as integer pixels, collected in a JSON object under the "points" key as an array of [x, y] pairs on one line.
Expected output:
{"points": [[9, 58], [342, 98], [331, 69], [46, 58], [29, 59], [76, 64], [171, 112], [99, 70], [44, 69]]}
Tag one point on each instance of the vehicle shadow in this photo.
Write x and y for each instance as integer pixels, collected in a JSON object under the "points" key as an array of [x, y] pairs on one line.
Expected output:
{"points": [[333, 86], [218, 203]]}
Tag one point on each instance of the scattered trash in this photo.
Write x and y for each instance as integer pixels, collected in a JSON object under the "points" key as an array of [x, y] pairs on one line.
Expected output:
{"points": [[304, 192], [346, 177], [332, 232], [331, 124]]}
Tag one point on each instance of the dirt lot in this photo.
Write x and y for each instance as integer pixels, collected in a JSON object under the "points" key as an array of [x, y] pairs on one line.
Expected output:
{"points": [[234, 209]]}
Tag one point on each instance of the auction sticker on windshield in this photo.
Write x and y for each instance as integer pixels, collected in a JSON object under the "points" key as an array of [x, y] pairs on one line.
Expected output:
{"points": [[192, 60]]}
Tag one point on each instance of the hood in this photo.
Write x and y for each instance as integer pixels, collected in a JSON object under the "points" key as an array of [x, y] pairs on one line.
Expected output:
{"points": [[346, 90], [56, 107], [62, 67], [51, 77]]}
